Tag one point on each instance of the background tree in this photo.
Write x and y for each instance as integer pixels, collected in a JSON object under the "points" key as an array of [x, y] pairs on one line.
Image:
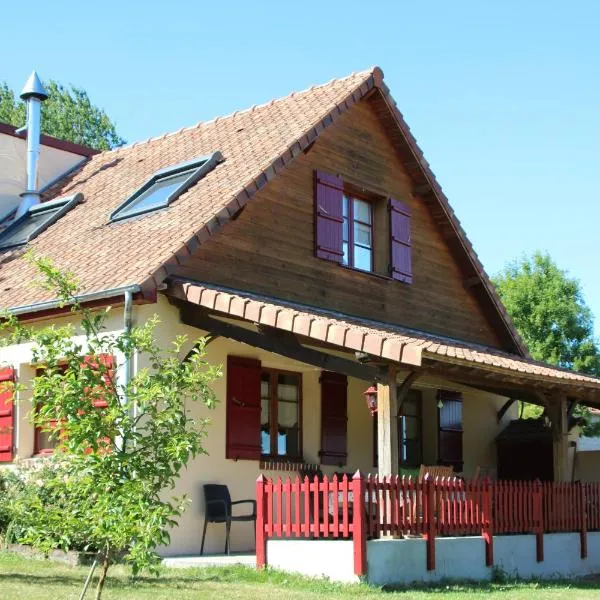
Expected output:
{"points": [[67, 114], [121, 445], [549, 311]]}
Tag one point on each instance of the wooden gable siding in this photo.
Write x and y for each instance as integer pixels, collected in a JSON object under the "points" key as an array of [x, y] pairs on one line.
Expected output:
{"points": [[269, 248]]}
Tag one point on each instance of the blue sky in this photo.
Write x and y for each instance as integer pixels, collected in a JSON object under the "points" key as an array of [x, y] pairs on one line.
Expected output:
{"points": [[503, 97]]}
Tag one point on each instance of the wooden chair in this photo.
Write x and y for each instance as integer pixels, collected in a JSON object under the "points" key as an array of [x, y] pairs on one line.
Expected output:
{"points": [[218, 508], [435, 471]]}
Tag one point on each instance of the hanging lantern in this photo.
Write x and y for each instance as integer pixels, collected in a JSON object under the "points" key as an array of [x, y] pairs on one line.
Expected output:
{"points": [[371, 398]]}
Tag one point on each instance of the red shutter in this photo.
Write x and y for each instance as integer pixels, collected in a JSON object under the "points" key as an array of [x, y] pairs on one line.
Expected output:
{"points": [[401, 241], [329, 220], [334, 418], [7, 378], [243, 408]]}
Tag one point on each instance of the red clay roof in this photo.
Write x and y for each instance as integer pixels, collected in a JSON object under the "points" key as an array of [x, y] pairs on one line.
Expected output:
{"points": [[377, 339], [257, 144]]}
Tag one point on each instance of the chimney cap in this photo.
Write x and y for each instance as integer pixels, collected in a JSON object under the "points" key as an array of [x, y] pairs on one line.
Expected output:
{"points": [[34, 88]]}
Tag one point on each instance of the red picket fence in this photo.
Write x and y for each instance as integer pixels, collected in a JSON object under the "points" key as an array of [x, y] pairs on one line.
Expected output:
{"points": [[317, 508], [364, 508]]}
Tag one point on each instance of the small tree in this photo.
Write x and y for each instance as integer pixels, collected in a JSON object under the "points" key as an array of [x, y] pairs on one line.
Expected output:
{"points": [[121, 444], [550, 313], [67, 114]]}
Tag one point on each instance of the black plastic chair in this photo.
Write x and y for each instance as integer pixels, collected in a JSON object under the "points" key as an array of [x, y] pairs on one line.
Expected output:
{"points": [[217, 509]]}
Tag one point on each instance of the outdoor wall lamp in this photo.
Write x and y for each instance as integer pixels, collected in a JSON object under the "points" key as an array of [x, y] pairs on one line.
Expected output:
{"points": [[371, 398]]}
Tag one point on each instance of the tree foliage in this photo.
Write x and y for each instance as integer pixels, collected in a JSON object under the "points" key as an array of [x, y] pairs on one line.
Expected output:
{"points": [[107, 488], [548, 310], [67, 114]]}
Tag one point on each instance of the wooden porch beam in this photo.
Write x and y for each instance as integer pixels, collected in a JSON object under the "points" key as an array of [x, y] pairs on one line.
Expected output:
{"points": [[198, 318], [504, 408], [387, 425]]}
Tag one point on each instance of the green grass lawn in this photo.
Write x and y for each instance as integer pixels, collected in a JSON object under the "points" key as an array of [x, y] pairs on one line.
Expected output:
{"points": [[35, 579]]}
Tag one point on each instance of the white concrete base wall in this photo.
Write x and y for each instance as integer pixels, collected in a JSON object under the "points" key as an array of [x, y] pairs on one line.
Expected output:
{"points": [[333, 559], [400, 562]]}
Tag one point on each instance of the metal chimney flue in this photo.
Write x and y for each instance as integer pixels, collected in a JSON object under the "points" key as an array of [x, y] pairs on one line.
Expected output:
{"points": [[33, 94]]}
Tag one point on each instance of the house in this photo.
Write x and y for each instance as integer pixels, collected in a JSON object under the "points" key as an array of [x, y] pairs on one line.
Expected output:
{"points": [[310, 239]]}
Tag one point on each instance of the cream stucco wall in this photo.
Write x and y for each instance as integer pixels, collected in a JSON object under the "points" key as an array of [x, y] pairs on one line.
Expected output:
{"points": [[480, 427]]}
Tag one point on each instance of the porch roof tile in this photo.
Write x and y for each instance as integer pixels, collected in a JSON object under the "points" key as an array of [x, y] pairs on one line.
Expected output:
{"points": [[384, 340]]}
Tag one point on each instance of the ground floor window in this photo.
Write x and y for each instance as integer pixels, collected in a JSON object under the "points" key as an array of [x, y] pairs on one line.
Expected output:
{"points": [[450, 445], [410, 431], [44, 442], [281, 405]]}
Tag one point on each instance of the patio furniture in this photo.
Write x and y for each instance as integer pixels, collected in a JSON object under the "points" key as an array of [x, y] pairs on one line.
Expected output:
{"points": [[218, 509], [435, 471]]}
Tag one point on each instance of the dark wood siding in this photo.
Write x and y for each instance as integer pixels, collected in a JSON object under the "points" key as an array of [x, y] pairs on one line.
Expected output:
{"points": [[270, 247]]}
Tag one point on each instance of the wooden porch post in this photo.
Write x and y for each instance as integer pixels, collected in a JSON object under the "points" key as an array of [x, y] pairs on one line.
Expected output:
{"points": [[557, 410], [387, 425]]}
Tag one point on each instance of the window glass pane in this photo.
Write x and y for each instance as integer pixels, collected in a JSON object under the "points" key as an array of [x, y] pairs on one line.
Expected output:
{"points": [[265, 442], [412, 427], [345, 230], [156, 196], [362, 211], [346, 258], [19, 233], [265, 435], [288, 430], [362, 258], [410, 407], [411, 453], [44, 441], [451, 415], [362, 234], [345, 206]]}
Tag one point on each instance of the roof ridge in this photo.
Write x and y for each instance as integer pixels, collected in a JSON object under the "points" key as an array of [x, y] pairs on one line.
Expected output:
{"points": [[366, 73]]}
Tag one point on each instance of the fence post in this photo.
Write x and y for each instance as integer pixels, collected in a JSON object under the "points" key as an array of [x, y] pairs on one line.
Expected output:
{"points": [[487, 530], [358, 522], [582, 498], [261, 540], [538, 520], [429, 525]]}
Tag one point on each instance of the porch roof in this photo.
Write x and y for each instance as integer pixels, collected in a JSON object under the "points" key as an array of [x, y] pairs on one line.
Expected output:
{"points": [[465, 362]]}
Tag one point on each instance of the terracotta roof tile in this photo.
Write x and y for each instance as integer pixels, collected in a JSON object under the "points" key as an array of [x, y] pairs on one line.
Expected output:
{"points": [[255, 144], [378, 339]]}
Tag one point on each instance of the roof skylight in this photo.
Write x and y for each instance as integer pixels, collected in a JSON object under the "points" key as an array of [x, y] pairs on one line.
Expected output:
{"points": [[38, 218], [165, 186]]}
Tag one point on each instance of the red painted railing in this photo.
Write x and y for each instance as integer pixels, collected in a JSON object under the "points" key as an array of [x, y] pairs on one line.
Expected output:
{"points": [[317, 508], [368, 507]]}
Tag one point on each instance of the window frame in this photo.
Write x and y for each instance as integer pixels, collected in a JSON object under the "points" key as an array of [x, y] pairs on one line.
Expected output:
{"points": [[274, 417], [418, 397], [198, 168], [351, 197], [59, 206]]}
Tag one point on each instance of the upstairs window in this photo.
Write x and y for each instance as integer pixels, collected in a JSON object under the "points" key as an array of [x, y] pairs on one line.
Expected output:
{"points": [[38, 218], [165, 186], [348, 220], [357, 238]]}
